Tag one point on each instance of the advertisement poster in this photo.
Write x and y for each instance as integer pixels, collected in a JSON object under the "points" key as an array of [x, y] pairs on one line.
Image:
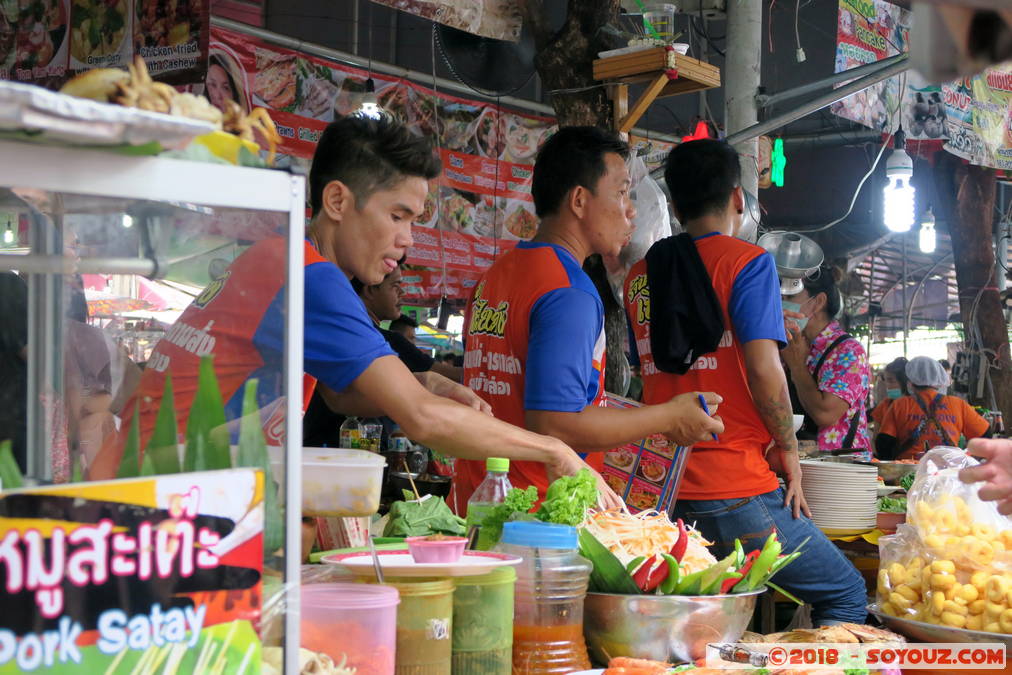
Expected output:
{"points": [[499, 19], [981, 128], [645, 473], [146, 575], [480, 206], [46, 41], [872, 30]]}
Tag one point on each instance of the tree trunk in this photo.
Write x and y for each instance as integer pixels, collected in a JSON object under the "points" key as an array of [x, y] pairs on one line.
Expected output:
{"points": [[966, 195], [565, 64]]}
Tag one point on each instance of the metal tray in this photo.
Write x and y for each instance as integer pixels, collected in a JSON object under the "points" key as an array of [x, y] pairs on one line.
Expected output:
{"points": [[929, 632]]}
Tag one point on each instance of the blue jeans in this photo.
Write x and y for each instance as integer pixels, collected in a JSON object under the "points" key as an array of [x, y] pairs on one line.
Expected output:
{"points": [[822, 576]]}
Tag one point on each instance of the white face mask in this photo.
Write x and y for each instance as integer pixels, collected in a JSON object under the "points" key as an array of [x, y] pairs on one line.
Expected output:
{"points": [[795, 307]]}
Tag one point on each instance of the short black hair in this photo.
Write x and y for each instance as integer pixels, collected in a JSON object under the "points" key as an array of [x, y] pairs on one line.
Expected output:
{"points": [[403, 320], [368, 155], [824, 281], [701, 175], [573, 157]]}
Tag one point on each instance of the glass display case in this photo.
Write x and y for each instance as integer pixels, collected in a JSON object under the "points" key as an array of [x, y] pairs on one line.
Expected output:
{"points": [[119, 276]]}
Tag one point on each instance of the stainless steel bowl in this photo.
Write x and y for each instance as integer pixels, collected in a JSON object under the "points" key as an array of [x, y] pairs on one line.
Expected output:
{"points": [[673, 628], [929, 632], [891, 472]]}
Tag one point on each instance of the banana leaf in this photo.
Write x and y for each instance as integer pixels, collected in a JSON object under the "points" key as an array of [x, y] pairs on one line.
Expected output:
{"points": [[253, 453], [608, 574], [163, 448], [207, 438], [129, 463], [10, 473]]}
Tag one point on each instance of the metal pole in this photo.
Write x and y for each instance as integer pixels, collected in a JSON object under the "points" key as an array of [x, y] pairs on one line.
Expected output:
{"points": [[769, 100], [58, 264], [831, 138], [906, 317], [425, 79], [354, 27], [817, 103], [744, 41]]}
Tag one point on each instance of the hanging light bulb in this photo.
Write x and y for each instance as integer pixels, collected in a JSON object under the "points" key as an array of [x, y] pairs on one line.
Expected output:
{"points": [[8, 234], [369, 107], [128, 221], [898, 194], [928, 238]]}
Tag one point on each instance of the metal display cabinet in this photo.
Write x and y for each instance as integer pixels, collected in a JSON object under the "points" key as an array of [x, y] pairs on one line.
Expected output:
{"points": [[70, 213]]}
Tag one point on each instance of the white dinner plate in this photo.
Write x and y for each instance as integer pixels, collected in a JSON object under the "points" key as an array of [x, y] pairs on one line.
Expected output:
{"points": [[401, 564]]}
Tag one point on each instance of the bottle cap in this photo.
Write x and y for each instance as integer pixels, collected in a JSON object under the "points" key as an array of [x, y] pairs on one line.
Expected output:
{"points": [[498, 464], [539, 535]]}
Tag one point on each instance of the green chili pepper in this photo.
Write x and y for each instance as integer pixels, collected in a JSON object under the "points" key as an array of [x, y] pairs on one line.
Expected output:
{"points": [[714, 575], [769, 554], [783, 561], [670, 583], [739, 553], [634, 564], [690, 583]]}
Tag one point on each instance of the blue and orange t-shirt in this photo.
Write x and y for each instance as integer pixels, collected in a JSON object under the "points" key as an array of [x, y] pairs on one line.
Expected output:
{"points": [[534, 341], [745, 280], [240, 319]]}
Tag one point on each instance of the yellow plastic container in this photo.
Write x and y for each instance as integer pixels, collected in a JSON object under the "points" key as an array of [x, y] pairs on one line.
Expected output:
{"points": [[424, 626]]}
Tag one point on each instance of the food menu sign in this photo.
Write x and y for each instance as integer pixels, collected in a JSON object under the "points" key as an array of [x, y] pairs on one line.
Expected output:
{"points": [[46, 41], [643, 473], [499, 19], [158, 574]]}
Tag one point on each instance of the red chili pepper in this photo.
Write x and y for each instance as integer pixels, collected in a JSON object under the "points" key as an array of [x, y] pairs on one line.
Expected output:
{"points": [[650, 574], [745, 567], [678, 550], [727, 584]]}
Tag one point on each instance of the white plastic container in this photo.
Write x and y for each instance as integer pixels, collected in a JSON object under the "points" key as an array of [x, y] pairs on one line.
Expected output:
{"points": [[339, 482]]}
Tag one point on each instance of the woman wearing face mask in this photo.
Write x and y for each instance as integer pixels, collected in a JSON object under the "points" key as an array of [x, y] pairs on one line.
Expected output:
{"points": [[829, 374], [927, 417], [894, 377]]}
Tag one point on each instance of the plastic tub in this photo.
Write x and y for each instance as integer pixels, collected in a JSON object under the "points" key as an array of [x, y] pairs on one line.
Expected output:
{"points": [[424, 626], [339, 482], [354, 624], [483, 623], [661, 17]]}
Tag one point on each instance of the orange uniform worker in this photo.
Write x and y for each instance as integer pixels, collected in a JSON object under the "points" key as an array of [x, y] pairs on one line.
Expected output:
{"points": [[926, 418], [894, 377]]}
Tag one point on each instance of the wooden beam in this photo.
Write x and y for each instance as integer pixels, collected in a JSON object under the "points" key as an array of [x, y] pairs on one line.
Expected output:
{"points": [[641, 105], [619, 95]]}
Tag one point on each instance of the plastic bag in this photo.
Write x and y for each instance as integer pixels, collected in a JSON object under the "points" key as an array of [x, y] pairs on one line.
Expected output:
{"points": [[652, 221], [951, 563]]}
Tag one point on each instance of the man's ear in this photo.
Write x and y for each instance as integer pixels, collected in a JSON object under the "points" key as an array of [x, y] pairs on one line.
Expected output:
{"points": [[738, 200], [576, 200], [337, 199]]}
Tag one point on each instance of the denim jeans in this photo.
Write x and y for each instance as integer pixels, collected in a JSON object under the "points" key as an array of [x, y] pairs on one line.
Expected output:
{"points": [[822, 576]]}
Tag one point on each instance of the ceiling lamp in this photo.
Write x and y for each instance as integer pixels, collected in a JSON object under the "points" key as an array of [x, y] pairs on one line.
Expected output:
{"points": [[928, 239], [369, 107], [898, 194]]}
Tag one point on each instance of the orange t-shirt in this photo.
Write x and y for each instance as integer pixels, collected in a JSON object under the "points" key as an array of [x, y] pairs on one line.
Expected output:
{"points": [[735, 465], [534, 340], [955, 416], [878, 413]]}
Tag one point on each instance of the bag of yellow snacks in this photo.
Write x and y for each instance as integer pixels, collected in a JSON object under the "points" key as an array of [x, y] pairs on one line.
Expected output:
{"points": [[951, 563]]}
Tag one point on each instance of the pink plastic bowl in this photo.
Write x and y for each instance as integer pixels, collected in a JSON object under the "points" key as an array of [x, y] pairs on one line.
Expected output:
{"points": [[448, 550]]}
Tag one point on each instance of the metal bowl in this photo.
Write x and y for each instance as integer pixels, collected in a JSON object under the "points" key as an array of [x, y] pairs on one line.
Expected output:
{"points": [[891, 472], [929, 632], [674, 628]]}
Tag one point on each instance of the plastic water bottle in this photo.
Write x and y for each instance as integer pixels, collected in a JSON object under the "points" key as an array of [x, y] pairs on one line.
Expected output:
{"points": [[492, 491], [351, 433]]}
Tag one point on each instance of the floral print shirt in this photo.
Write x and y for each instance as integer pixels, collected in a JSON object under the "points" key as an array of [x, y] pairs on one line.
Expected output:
{"points": [[845, 374]]}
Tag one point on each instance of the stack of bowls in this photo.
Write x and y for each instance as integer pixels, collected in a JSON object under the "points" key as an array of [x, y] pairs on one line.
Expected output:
{"points": [[842, 497]]}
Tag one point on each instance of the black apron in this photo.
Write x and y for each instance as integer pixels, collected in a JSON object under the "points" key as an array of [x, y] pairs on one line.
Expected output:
{"points": [[930, 413]]}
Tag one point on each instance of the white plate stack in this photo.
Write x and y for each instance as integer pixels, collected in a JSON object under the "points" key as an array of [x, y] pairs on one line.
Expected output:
{"points": [[840, 496]]}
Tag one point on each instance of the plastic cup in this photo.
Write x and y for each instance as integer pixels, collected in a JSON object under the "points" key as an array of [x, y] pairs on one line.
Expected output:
{"points": [[662, 18], [354, 624]]}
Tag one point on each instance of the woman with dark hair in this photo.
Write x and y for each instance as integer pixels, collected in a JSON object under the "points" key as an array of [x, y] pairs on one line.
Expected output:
{"points": [[828, 368], [220, 85], [894, 377]]}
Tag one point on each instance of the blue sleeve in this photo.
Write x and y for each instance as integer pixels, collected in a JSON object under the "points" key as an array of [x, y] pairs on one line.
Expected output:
{"points": [[564, 328], [339, 338], [755, 307], [634, 352]]}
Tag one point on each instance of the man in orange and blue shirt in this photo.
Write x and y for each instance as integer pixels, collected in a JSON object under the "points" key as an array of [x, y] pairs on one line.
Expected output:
{"points": [[730, 489], [535, 324]]}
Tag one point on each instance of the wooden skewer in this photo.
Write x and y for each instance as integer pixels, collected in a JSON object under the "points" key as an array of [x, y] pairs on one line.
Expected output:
{"points": [[404, 462]]}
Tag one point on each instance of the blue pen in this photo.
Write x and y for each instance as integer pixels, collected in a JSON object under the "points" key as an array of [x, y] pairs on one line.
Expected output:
{"points": [[706, 409]]}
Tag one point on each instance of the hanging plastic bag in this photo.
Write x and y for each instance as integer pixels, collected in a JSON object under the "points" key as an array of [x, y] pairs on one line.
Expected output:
{"points": [[653, 222]]}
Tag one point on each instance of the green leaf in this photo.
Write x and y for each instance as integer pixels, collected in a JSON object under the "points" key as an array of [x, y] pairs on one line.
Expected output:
{"points": [[608, 575], [207, 424], [516, 504], [77, 469], [147, 466], [129, 463], [783, 592], [568, 498], [163, 446], [253, 453], [10, 474], [416, 518]]}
